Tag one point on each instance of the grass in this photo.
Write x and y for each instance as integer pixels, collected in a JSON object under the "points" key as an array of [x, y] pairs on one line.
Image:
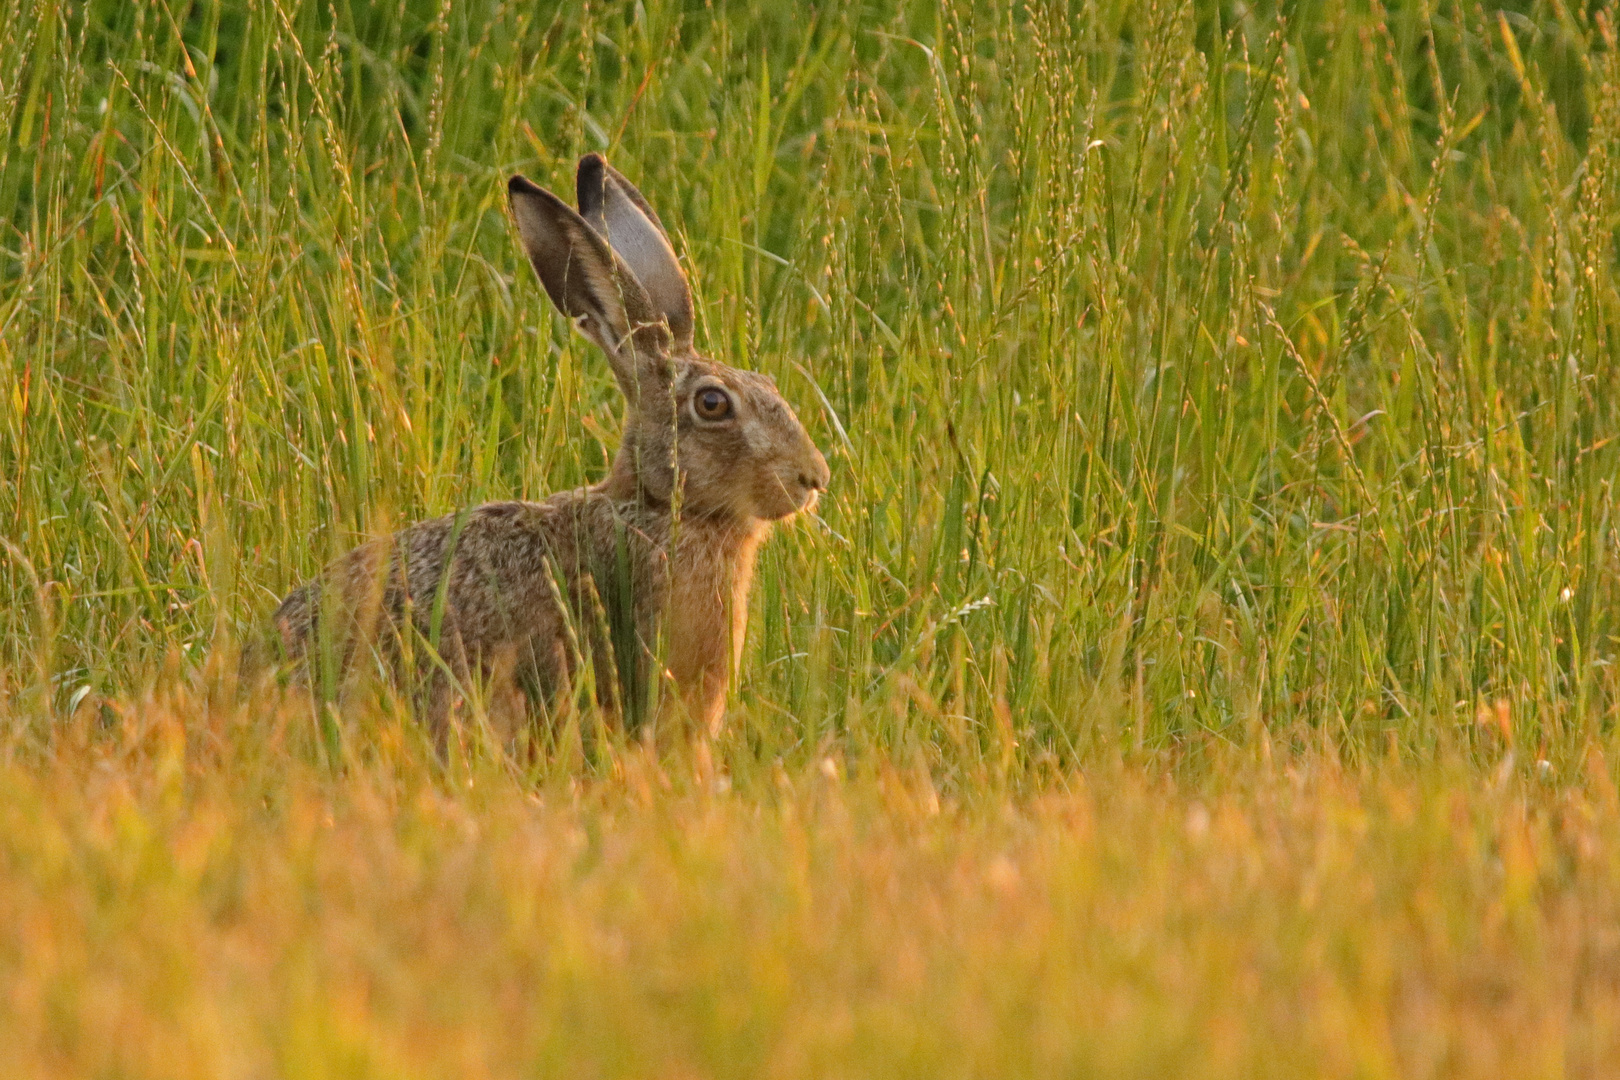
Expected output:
{"points": [[188, 895], [1204, 663]]}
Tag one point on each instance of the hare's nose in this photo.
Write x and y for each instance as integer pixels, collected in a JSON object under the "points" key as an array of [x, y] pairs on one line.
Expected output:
{"points": [[816, 475], [813, 471]]}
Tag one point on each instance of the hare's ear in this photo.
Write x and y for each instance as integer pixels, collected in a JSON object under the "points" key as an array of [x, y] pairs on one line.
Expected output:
{"points": [[617, 211], [588, 282]]}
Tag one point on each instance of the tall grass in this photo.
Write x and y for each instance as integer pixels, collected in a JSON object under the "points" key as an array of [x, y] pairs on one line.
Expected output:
{"points": [[1218, 398], [1185, 373], [1256, 366]]}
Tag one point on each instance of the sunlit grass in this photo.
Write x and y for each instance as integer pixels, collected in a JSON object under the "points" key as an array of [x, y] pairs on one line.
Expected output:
{"points": [[1203, 663], [185, 893]]}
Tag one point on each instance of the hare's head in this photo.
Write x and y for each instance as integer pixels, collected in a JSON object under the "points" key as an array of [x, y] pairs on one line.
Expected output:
{"points": [[724, 434]]}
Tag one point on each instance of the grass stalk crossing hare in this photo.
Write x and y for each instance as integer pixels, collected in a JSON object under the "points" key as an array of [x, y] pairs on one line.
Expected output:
{"points": [[711, 455]]}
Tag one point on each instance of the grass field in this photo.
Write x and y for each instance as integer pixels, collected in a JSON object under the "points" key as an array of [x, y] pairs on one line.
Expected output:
{"points": [[1204, 663]]}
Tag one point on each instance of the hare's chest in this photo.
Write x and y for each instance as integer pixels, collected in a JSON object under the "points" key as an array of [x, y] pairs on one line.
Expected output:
{"points": [[709, 572]]}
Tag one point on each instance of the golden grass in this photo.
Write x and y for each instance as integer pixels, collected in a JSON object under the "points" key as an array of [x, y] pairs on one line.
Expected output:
{"points": [[188, 890]]}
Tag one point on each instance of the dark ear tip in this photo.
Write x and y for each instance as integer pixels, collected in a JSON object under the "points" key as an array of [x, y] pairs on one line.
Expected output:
{"points": [[589, 182], [522, 185]]}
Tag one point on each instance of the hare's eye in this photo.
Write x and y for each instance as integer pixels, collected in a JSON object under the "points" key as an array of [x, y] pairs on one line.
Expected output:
{"points": [[712, 404]]}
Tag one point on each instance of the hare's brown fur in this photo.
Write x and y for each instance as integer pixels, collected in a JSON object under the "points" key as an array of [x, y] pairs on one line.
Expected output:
{"points": [[667, 541]]}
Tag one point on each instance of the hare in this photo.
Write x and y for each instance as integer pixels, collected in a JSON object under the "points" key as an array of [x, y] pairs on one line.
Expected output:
{"points": [[711, 455]]}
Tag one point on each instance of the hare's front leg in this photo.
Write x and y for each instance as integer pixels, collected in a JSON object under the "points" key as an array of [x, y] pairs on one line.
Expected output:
{"points": [[699, 664], [702, 627]]}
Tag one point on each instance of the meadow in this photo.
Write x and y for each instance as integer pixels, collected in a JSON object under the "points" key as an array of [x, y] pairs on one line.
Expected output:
{"points": [[1203, 664]]}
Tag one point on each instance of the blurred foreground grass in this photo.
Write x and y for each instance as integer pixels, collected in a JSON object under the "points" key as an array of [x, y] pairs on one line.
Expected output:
{"points": [[1204, 663], [185, 892]]}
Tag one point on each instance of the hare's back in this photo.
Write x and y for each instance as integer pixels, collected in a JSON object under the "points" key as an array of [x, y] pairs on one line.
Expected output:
{"points": [[510, 562], [490, 576]]}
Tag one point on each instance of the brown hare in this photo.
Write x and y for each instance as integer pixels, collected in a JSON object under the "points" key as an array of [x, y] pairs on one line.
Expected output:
{"points": [[526, 591]]}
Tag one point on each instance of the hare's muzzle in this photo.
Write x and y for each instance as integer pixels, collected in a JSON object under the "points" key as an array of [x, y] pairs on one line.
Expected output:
{"points": [[814, 476]]}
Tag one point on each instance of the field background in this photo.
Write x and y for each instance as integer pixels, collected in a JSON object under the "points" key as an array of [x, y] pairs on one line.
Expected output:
{"points": [[1204, 664]]}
